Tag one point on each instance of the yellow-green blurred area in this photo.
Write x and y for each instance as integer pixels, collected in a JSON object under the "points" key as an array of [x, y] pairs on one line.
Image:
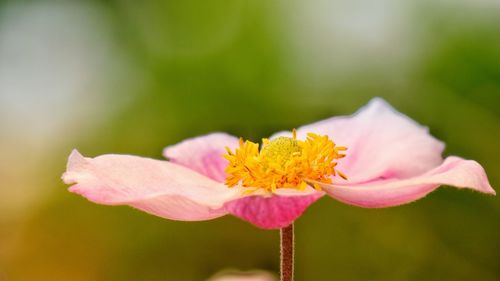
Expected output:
{"points": [[123, 76]]}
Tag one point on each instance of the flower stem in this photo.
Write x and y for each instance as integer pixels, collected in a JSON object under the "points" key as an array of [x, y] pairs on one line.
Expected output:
{"points": [[287, 248]]}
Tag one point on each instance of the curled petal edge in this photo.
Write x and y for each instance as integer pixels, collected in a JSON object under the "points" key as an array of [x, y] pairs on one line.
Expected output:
{"points": [[157, 187], [454, 171]]}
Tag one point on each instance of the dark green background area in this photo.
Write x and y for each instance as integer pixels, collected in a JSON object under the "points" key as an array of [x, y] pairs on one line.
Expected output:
{"points": [[230, 66]]}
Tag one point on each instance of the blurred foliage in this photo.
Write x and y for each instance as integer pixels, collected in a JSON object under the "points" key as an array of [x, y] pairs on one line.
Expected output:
{"points": [[225, 66]]}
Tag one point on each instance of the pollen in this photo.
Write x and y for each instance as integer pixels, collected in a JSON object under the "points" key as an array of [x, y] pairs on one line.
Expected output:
{"points": [[284, 162], [281, 149]]}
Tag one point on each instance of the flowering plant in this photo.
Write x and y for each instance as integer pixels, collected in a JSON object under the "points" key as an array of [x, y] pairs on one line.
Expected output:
{"points": [[385, 159]]}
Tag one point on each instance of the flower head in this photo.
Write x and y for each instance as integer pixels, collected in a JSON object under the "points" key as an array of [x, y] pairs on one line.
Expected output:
{"points": [[283, 163], [391, 161]]}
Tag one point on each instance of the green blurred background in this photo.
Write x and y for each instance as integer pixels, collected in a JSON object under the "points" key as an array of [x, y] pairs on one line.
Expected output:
{"points": [[123, 76]]}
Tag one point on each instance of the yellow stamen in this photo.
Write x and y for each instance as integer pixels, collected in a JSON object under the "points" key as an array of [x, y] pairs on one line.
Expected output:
{"points": [[284, 163]]}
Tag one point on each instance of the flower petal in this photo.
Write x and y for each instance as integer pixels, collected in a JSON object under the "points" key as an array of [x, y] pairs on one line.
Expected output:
{"points": [[203, 154], [454, 171], [273, 211], [157, 187], [382, 143]]}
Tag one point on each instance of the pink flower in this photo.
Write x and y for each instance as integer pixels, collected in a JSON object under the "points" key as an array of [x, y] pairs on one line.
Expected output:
{"points": [[391, 161]]}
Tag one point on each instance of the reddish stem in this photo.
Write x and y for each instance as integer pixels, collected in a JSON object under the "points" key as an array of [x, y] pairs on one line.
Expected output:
{"points": [[287, 248]]}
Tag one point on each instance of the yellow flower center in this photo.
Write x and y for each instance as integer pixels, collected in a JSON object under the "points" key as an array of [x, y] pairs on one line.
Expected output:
{"points": [[280, 150], [284, 163]]}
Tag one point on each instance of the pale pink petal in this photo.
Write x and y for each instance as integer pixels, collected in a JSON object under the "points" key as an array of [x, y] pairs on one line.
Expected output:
{"points": [[454, 171], [203, 154], [157, 187], [275, 210], [382, 143]]}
